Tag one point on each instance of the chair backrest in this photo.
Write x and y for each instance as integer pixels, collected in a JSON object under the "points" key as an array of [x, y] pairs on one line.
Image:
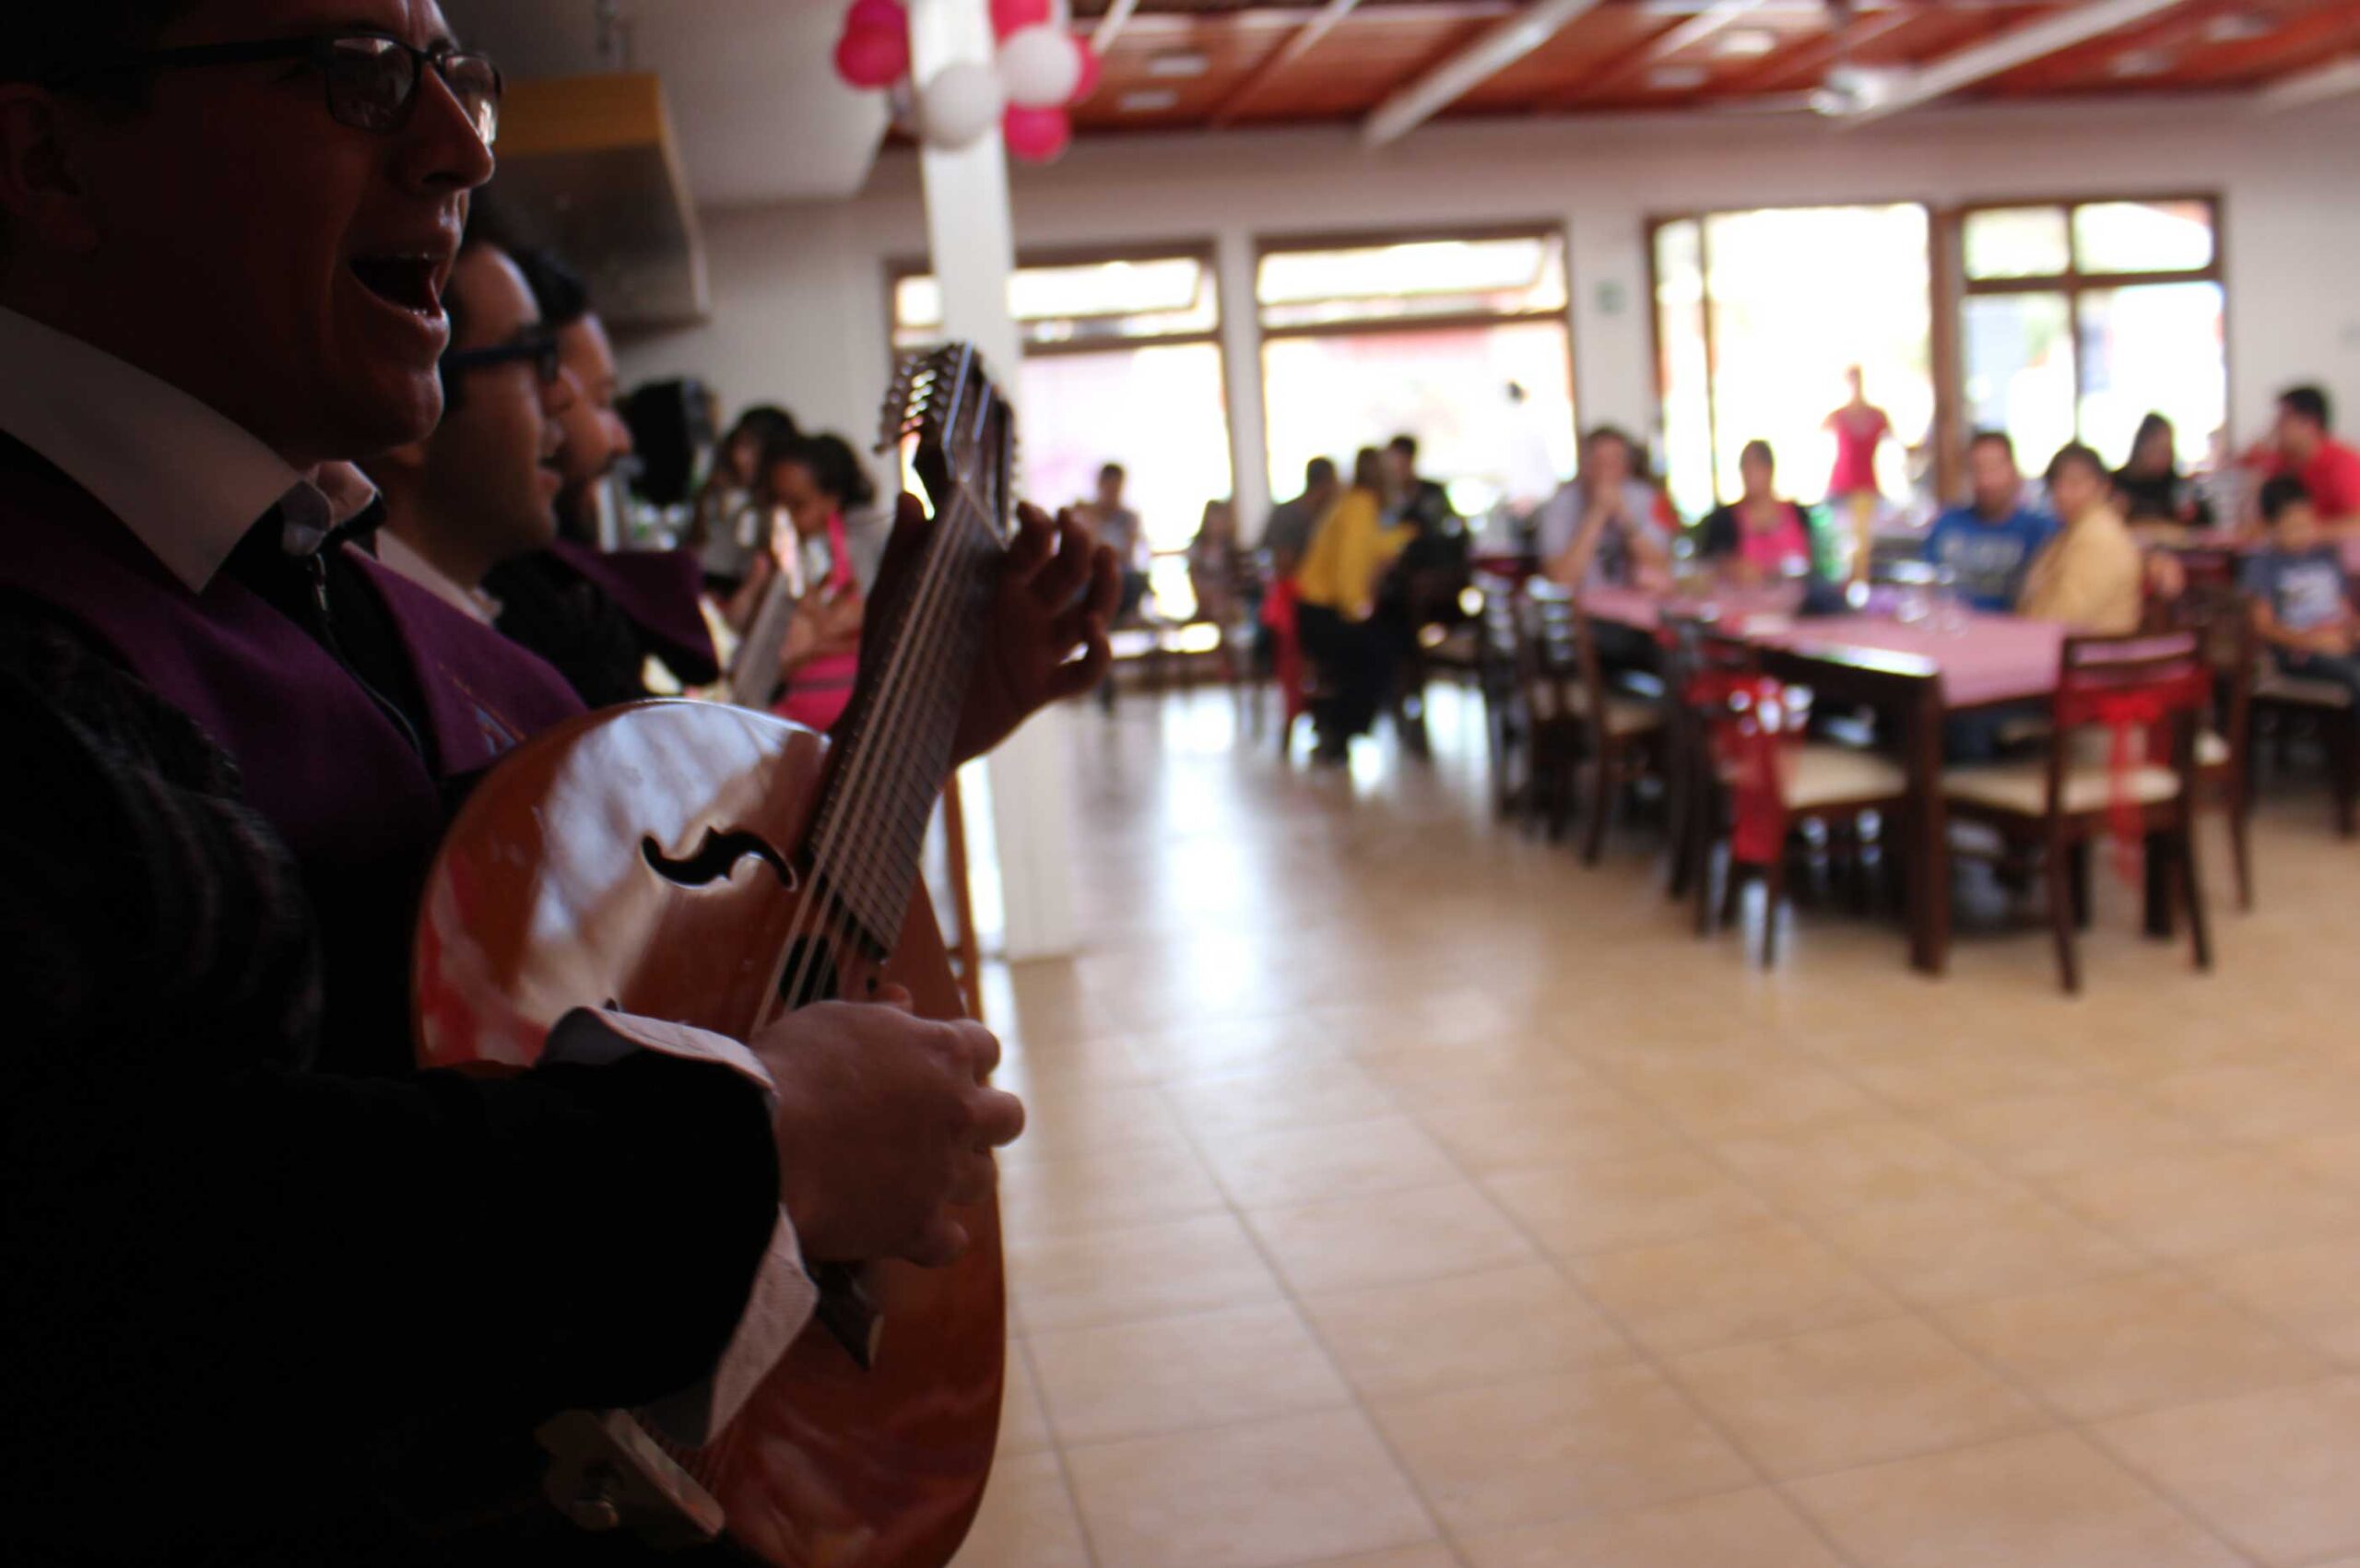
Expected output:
{"points": [[2157, 684], [1566, 649], [2222, 618], [1500, 652]]}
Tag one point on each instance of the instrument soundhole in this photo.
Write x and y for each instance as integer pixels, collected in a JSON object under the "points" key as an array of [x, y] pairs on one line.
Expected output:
{"points": [[716, 859], [810, 974]]}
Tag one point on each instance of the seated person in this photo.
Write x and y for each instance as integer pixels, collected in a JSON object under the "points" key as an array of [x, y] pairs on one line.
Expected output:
{"points": [[1989, 546], [1605, 525], [815, 479], [1336, 589], [1219, 573], [2303, 446], [730, 528], [2151, 490], [2302, 600], [1757, 538], [1117, 527], [2090, 577]]}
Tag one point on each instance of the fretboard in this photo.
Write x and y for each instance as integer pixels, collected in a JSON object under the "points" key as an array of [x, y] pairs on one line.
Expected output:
{"points": [[869, 835]]}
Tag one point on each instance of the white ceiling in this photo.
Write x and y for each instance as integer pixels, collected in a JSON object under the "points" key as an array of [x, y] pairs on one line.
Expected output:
{"points": [[754, 95]]}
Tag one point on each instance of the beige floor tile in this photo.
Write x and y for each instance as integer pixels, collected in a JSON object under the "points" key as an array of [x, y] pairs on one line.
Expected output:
{"points": [[1612, 1436], [2272, 1472], [2261, 1103], [1545, 1128], [1388, 1239], [1966, 1247], [1918, 1075], [1744, 1092], [1106, 1192], [1461, 1330], [1285, 1491], [1279, 1100], [1763, 1283], [1299, 1165], [2239, 1200], [2313, 1291], [1164, 1270], [1888, 1160], [1852, 1396], [1024, 1429], [1735, 1529], [1136, 1379], [2060, 1135], [1399, 1557], [2049, 1501], [1594, 1206], [2116, 1346], [1429, 1075], [1078, 1124], [2330, 1156], [1027, 1519]]}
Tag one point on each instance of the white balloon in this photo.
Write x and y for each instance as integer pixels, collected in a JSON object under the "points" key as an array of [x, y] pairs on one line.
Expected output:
{"points": [[1039, 67], [962, 103]]}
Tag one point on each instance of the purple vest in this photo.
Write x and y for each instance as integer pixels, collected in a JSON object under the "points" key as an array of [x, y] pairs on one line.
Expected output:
{"points": [[360, 808]]}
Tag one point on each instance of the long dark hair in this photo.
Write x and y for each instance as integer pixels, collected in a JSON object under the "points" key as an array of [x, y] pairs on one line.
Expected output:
{"points": [[835, 468]]}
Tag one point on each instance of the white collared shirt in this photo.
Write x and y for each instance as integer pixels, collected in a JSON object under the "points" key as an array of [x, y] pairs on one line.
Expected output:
{"points": [[187, 480], [400, 555]]}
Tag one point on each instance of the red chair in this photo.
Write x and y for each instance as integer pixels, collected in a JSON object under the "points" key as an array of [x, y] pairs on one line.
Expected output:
{"points": [[1289, 669], [2147, 700]]}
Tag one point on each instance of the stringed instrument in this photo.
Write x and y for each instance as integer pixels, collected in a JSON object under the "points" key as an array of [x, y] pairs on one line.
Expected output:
{"points": [[702, 863]]}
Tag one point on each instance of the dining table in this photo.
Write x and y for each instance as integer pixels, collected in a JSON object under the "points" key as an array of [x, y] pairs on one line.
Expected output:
{"points": [[1915, 667]]}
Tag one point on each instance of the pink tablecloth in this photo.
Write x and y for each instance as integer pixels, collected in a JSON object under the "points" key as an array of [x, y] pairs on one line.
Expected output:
{"points": [[1988, 658], [1644, 609]]}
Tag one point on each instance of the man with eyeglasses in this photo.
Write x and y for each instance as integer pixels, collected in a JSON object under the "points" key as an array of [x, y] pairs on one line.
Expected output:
{"points": [[481, 490], [269, 1293]]}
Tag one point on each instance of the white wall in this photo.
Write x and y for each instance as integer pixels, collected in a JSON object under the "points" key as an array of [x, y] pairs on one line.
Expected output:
{"points": [[798, 290]]}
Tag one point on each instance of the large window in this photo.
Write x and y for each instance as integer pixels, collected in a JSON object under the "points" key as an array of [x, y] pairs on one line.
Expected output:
{"points": [[1758, 317], [2080, 318], [1461, 340], [1122, 364]]}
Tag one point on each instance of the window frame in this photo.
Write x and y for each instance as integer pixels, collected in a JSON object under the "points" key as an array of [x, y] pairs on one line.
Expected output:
{"points": [[1946, 235], [2073, 283], [1202, 252], [1947, 463]]}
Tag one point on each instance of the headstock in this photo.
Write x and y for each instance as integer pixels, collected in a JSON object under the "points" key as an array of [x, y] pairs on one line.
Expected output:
{"points": [[943, 400]]}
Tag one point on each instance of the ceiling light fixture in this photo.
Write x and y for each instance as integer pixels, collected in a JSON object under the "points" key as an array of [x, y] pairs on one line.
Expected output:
{"points": [[1746, 43], [2237, 27], [2140, 63], [1678, 78], [1178, 65], [1147, 101]]}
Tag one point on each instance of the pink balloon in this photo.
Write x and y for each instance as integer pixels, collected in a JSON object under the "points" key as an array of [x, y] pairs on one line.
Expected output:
{"points": [[872, 57], [1013, 15], [1036, 135], [876, 16], [1090, 67]]}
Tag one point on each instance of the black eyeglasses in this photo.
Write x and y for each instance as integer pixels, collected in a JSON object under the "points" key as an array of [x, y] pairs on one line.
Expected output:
{"points": [[372, 80], [540, 350]]}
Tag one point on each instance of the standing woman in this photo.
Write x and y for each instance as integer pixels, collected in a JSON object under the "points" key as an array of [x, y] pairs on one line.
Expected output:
{"points": [[1859, 427], [729, 533], [1336, 596], [1760, 537]]}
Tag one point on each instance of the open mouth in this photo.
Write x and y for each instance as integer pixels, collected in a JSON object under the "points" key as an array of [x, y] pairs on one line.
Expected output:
{"points": [[411, 283]]}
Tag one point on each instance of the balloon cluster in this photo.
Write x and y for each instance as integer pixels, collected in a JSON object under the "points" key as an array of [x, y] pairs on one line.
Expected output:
{"points": [[1041, 70]]}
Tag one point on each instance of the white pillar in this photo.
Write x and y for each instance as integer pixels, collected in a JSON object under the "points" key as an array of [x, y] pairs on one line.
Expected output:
{"points": [[1241, 347], [971, 233]]}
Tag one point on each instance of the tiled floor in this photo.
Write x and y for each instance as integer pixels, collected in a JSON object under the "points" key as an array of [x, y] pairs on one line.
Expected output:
{"points": [[1401, 1194]]}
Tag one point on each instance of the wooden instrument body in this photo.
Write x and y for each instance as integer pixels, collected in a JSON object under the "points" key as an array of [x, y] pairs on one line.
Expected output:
{"points": [[552, 892]]}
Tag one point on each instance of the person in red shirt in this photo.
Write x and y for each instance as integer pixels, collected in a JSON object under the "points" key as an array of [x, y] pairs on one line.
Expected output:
{"points": [[2300, 445]]}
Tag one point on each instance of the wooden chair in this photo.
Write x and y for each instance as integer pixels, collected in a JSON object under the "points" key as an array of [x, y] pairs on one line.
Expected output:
{"points": [[2286, 703], [1764, 778], [1618, 735], [2222, 618], [2129, 693], [1501, 659]]}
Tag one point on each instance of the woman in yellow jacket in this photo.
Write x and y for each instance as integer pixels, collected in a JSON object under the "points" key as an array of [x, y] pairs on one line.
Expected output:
{"points": [[1336, 586]]}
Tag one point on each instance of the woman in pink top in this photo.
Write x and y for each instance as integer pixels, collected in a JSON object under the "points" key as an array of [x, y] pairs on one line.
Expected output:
{"points": [[1860, 429], [1760, 539], [816, 481]]}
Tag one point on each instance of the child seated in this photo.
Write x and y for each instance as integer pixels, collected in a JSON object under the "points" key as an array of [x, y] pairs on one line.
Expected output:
{"points": [[2302, 599]]}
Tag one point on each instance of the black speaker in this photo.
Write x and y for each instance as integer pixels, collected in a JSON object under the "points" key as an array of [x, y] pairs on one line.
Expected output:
{"points": [[671, 424]]}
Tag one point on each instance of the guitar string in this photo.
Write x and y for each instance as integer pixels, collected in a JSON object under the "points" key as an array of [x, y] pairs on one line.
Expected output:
{"points": [[901, 688], [876, 749]]}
